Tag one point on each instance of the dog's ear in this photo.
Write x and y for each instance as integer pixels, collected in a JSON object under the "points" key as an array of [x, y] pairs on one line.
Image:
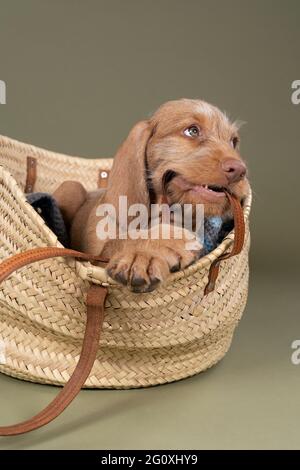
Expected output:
{"points": [[128, 174]]}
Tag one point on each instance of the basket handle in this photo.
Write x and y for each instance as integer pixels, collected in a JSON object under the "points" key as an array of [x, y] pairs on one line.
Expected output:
{"points": [[95, 314], [238, 242]]}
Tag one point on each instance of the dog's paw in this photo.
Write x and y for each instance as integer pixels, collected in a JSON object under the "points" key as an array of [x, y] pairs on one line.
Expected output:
{"points": [[143, 268], [140, 272]]}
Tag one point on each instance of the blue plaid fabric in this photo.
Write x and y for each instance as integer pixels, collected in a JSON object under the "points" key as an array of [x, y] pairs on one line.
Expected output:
{"points": [[212, 229]]}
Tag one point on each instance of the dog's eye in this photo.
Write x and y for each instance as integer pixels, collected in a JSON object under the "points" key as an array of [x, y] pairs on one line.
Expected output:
{"points": [[234, 142], [192, 131]]}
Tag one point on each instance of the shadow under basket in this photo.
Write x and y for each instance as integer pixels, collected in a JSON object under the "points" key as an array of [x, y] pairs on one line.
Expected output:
{"points": [[147, 339]]}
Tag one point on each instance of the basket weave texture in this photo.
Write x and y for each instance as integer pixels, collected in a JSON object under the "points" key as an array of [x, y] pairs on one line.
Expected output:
{"points": [[147, 339]]}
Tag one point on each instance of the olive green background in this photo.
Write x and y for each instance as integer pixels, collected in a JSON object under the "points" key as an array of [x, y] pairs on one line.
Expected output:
{"points": [[79, 74]]}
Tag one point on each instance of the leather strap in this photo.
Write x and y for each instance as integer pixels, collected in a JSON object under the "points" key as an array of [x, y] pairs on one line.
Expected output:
{"points": [[95, 314], [103, 178], [238, 243], [31, 175], [15, 262]]}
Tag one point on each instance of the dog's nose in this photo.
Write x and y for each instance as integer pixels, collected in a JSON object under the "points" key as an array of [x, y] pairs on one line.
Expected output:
{"points": [[234, 170]]}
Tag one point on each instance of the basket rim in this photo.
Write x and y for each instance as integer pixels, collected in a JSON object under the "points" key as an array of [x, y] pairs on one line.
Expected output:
{"points": [[24, 147]]}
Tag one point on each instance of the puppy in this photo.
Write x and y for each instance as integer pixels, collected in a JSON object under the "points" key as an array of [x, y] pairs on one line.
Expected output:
{"points": [[186, 153]]}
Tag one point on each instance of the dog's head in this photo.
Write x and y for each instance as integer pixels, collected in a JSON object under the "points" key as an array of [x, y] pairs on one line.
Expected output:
{"points": [[188, 151]]}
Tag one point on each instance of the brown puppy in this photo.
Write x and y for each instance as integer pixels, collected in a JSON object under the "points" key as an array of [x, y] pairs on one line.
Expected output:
{"points": [[187, 150]]}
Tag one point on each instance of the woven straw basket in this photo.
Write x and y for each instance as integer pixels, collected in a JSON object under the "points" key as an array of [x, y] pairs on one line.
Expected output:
{"points": [[147, 339]]}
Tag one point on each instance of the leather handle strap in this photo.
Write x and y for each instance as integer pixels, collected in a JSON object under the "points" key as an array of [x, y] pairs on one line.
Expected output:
{"points": [[103, 178], [19, 260], [238, 243], [95, 314], [31, 174]]}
